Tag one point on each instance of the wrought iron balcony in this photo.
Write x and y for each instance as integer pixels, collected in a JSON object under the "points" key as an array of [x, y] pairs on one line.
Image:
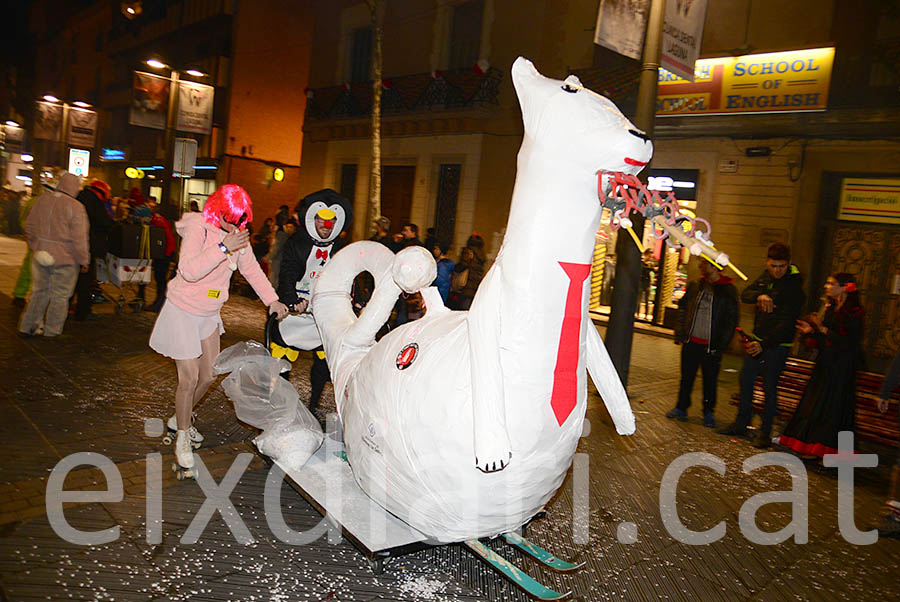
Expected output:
{"points": [[408, 93]]}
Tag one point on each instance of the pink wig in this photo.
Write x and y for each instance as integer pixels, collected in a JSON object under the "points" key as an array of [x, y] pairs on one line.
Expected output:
{"points": [[230, 202]]}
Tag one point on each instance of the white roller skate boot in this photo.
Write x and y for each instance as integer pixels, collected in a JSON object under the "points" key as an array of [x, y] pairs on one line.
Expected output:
{"points": [[184, 456], [169, 437]]}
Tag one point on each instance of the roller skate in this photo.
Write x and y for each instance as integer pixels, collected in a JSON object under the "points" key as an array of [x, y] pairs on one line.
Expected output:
{"points": [[184, 456], [195, 436], [890, 521]]}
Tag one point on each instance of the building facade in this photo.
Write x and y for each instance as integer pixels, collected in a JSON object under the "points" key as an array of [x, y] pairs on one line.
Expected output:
{"points": [[252, 56], [451, 128]]}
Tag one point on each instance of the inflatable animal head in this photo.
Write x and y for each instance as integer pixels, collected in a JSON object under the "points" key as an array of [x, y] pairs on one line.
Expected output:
{"points": [[331, 208], [577, 125]]}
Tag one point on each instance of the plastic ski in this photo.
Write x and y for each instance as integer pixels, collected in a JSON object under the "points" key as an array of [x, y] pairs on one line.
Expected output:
{"points": [[540, 554], [514, 573]]}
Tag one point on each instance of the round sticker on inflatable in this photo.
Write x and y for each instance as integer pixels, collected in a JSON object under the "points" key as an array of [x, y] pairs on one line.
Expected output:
{"points": [[407, 356]]}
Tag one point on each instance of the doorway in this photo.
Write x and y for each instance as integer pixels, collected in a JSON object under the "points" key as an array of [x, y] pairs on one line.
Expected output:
{"points": [[397, 183], [447, 197], [872, 254]]}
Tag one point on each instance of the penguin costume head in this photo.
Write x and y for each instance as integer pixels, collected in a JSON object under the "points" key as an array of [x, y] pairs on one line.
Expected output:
{"points": [[324, 215]]}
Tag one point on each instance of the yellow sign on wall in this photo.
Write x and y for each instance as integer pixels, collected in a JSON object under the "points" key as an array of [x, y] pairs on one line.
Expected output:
{"points": [[871, 200], [757, 83]]}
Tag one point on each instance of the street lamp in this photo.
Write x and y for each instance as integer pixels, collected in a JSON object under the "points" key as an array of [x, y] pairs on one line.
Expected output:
{"points": [[51, 98]]}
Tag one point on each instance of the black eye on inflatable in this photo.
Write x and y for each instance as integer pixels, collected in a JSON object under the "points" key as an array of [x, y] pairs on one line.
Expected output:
{"points": [[569, 89], [640, 135]]}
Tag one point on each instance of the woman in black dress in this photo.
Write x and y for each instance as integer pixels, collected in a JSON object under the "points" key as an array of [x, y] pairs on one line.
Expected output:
{"points": [[828, 405]]}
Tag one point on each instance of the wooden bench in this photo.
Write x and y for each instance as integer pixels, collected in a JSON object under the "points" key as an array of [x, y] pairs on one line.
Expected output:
{"points": [[870, 423]]}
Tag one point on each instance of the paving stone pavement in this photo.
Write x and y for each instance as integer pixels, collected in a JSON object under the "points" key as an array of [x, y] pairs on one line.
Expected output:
{"points": [[91, 389]]}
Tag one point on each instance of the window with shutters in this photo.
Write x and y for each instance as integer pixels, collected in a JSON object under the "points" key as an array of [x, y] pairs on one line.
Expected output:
{"points": [[465, 34], [361, 55]]}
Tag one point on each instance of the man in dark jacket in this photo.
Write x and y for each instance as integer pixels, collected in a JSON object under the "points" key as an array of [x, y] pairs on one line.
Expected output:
{"points": [[778, 295], [706, 329], [94, 197], [324, 215], [383, 232]]}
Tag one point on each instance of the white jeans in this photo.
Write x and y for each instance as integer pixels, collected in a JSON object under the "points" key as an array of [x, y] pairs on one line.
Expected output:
{"points": [[49, 304]]}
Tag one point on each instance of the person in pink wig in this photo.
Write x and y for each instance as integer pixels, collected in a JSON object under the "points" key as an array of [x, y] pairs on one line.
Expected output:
{"points": [[214, 244]]}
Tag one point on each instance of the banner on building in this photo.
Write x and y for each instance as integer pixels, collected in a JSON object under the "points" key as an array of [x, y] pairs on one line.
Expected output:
{"points": [[48, 118], [682, 34], [621, 25], [195, 107], [870, 200], [81, 129], [150, 101], [13, 138], [775, 82]]}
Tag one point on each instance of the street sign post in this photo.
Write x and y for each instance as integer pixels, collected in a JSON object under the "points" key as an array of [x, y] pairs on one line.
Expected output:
{"points": [[184, 157]]}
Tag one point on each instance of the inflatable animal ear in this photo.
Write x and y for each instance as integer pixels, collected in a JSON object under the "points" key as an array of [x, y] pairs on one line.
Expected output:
{"points": [[573, 80], [533, 90]]}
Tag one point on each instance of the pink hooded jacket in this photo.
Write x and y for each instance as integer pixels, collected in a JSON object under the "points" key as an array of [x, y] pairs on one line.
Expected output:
{"points": [[59, 225], [200, 286]]}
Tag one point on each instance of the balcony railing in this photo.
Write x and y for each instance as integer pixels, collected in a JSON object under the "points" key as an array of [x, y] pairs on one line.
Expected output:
{"points": [[408, 93]]}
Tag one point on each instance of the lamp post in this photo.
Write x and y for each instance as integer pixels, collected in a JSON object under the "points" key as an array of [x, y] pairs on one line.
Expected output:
{"points": [[620, 333]]}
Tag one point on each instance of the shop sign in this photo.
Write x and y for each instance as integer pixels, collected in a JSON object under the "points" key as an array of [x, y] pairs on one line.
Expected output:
{"points": [[870, 200], [113, 154], [775, 82]]}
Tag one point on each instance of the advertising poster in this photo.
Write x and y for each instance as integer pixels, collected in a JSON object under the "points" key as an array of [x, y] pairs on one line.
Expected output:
{"points": [[150, 101], [792, 81], [682, 34], [195, 107], [621, 25], [81, 129], [48, 118], [14, 138]]}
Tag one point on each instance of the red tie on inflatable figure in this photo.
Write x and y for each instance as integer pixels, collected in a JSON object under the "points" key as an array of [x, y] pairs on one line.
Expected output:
{"points": [[565, 375]]}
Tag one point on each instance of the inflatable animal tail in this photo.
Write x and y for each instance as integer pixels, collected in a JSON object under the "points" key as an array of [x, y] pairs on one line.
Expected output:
{"points": [[345, 336]]}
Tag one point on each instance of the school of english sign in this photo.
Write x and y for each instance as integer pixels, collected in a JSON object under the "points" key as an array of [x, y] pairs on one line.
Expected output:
{"points": [[757, 83]]}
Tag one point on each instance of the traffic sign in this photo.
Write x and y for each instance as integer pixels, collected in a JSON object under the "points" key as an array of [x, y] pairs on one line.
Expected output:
{"points": [[79, 162], [185, 156]]}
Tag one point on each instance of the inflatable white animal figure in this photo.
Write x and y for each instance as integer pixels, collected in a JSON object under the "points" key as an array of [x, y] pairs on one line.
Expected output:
{"points": [[463, 424]]}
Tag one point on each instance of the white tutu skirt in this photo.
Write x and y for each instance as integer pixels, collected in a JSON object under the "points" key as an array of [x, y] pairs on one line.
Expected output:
{"points": [[177, 333]]}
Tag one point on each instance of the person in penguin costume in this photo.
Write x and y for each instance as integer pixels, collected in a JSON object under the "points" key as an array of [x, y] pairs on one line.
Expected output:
{"points": [[323, 216]]}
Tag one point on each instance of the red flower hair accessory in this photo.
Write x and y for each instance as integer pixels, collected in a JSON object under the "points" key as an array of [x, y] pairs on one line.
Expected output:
{"points": [[850, 287]]}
